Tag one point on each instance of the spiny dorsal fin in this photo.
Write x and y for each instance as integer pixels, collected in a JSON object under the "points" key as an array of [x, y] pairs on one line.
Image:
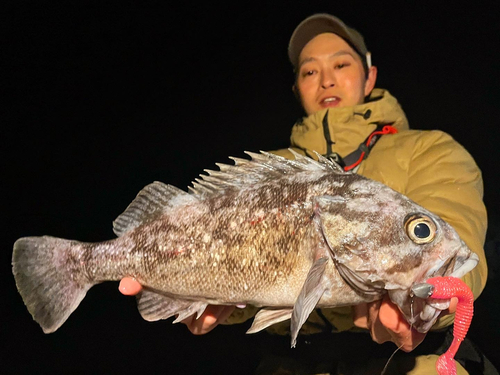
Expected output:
{"points": [[152, 201], [321, 159], [262, 166]]}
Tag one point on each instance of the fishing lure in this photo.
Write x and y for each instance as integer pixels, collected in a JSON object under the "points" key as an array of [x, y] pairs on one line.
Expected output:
{"points": [[446, 288]]}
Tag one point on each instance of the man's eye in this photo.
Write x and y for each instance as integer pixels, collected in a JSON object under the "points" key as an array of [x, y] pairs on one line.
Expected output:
{"points": [[308, 73], [340, 66]]}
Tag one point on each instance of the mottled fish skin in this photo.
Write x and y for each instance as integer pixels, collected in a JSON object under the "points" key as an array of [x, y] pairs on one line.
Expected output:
{"points": [[252, 244], [270, 232]]}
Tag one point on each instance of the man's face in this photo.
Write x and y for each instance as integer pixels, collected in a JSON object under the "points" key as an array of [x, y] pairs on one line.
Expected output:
{"points": [[331, 74]]}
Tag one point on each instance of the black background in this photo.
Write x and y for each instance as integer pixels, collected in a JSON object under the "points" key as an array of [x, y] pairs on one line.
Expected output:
{"points": [[101, 98]]}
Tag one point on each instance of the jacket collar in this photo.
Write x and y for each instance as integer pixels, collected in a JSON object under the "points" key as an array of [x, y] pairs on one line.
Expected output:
{"points": [[346, 127]]}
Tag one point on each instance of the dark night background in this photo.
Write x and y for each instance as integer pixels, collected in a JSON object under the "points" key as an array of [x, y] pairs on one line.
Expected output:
{"points": [[101, 98]]}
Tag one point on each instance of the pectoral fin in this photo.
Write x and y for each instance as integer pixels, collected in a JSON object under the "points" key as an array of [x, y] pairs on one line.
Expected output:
{"points": [[311, 292], [154, 306], [267, 317]]}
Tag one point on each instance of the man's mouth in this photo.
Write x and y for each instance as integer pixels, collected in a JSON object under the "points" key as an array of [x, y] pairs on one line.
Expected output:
{"points": [[330, 101]]}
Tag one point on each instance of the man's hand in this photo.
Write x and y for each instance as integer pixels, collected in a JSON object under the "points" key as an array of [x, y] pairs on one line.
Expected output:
{"points": [[385, 322], [211, 317]]}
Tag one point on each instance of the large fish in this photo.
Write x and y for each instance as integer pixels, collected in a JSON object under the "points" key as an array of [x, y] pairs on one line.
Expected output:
{"points": [[284, 235]]}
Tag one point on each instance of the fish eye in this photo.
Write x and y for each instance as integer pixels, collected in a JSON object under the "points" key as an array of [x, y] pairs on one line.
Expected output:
{"points": [[420, 228]]}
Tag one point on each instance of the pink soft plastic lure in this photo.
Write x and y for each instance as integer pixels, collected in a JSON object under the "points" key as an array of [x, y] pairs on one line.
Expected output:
{"points": [[446, 288]]}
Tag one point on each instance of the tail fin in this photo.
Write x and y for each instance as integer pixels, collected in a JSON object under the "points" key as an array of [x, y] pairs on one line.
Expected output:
{"points": [[49, 278]]}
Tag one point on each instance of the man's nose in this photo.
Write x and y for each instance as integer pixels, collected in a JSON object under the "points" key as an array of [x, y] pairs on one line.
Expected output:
{"points": [[327, 79]]}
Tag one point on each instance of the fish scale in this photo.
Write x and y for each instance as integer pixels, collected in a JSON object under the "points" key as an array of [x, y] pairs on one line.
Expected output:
{"points": [[284, 235]]}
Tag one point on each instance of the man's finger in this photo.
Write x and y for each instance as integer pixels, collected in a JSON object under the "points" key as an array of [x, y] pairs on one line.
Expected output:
{"points": [[129, 286], [211, 317], [378, 331], [360, 315]]}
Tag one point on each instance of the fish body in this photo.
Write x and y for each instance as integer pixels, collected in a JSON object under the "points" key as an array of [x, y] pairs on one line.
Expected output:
{"points": [[284, 235]]}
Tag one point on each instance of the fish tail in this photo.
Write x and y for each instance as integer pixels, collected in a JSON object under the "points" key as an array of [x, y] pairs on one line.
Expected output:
{"points": [[50, 278]]}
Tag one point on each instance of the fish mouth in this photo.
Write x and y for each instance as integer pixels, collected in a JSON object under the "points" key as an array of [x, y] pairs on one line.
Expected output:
{"points": [[457, 266], [428, 309], [464, 265]]}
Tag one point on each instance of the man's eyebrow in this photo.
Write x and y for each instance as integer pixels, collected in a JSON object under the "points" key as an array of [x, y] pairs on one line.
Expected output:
{"points": [[336, 54]]}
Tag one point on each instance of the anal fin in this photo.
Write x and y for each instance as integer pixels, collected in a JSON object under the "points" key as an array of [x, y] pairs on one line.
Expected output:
{"points": [[267, 317], [153, 306]]}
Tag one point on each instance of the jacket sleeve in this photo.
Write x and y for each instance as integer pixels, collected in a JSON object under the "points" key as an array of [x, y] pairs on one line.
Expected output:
{"points": [[443, 177]]}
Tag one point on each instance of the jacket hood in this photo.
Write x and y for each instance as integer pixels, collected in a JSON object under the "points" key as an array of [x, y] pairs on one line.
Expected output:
{"points": [[346, 127]]}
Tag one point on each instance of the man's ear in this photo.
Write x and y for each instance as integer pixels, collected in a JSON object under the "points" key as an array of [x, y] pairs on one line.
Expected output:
{"points": [[370, 80]]}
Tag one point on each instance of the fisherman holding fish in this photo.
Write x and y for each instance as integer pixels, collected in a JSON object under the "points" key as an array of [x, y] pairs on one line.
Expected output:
{"points": [[366, 130], [382, 208]]}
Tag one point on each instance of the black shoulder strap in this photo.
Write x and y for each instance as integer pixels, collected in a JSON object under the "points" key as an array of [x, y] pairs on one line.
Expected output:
{"points": [[352, 160]]}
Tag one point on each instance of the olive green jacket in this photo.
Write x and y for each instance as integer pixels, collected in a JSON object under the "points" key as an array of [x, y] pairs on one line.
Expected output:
{"points": [[429, 167]]}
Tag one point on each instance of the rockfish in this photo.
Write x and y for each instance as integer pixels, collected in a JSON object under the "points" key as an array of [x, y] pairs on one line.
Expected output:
{"points": [[284, 235]]}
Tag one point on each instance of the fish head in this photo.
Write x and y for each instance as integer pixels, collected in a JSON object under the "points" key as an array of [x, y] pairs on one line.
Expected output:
{"points": [[446, 255], [382, 242]]}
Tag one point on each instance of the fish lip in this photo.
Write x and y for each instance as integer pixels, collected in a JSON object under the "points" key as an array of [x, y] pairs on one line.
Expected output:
{"points": [[466, 265], [456, 266]]}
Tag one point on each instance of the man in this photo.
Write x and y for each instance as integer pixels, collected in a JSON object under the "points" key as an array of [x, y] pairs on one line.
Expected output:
{"points": [[345, 116]]}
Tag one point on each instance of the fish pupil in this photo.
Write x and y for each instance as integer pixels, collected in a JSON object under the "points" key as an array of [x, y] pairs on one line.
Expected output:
{"points": [[422, 230]]}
